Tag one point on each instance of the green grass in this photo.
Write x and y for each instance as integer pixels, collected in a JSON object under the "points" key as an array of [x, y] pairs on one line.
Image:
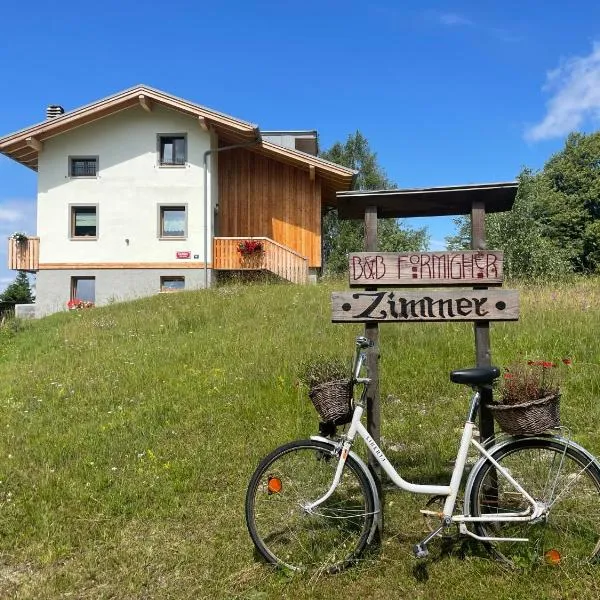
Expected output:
{"points": [[129, 434]]}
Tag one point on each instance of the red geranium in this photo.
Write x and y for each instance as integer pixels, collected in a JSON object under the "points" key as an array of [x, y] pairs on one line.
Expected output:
{"points": [[250, 247], [532, 380]]}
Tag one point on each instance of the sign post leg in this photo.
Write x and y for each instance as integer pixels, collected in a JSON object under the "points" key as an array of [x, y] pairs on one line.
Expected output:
{"points": [[482, 329], [372, 333]]}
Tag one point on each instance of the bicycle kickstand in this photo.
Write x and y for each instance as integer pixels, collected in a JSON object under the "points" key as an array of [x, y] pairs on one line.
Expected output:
{"points": [[420, 549]]}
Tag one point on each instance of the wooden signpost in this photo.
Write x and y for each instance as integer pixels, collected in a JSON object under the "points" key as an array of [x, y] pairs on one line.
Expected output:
{"points": [[477, 269], [426, 268], [442, 306]]}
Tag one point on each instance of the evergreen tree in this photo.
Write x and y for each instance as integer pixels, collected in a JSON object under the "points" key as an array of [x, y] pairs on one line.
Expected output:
{"points": [[19, 291], [340, 237]]}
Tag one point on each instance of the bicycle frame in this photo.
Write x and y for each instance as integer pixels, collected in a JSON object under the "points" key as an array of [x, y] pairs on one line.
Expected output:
{"points": [[450, 492]]}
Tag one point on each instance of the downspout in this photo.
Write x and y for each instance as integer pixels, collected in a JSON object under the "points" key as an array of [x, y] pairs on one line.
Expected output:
{"points": [[206, 202]]}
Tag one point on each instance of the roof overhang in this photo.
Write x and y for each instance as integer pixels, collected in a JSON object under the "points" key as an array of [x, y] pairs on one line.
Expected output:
{"points": [[25, 145], [427, 202]]}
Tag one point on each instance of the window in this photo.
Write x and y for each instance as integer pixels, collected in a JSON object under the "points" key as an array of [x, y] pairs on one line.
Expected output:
{"points": [[172, 150], [172, 283], [83, 166], [84, 221], [172, 221], [83, 289]]}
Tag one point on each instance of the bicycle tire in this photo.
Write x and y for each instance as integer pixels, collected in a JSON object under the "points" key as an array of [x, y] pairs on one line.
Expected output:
{"points": [[555, 472], [326, 540]]}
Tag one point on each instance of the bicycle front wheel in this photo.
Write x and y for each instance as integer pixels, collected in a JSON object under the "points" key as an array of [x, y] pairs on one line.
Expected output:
{"points": [[327, 538], [558, 475]]}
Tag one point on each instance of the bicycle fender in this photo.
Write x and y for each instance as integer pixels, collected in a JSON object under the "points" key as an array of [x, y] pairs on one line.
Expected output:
{"points": [[371, 480], [512, 440]]}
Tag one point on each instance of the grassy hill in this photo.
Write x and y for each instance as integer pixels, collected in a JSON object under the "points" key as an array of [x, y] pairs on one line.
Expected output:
{"points": [[129, 433]]}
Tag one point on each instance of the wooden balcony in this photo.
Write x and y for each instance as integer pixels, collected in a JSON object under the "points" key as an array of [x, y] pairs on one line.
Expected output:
{"points": [[275, 258], [25, 255]]}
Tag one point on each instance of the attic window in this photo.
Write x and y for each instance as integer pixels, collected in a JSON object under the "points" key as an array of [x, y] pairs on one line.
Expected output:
{"points": [[172, 150], [83, 166]]}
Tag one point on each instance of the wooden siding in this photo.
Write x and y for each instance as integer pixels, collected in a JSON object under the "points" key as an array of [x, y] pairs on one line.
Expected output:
{"points": [[24, 256], [260, 197], [275, 258]]}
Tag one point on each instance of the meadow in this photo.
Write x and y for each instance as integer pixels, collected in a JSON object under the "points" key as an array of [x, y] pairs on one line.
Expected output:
{"points": [[129, 434]]}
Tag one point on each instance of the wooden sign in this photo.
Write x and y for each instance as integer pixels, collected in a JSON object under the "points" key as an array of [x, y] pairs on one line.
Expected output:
{"points": [[398, 306], [468, 267]]}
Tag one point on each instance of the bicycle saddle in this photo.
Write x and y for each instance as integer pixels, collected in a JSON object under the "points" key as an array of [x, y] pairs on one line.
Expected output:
{"points": [[475, 376]]}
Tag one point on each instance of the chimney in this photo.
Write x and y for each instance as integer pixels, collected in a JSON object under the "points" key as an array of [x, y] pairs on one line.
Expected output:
{"points": [[54, 111]]}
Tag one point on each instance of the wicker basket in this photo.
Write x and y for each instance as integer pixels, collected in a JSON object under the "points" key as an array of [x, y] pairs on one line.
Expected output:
{"points": [[529, 418], [333, 401]]}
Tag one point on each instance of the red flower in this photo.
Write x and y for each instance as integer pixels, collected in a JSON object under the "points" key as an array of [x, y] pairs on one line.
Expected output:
{"points": [[567, 361], [250, 247]]}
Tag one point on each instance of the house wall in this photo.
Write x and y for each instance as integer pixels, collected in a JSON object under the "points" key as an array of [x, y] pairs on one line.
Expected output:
{"points": [[127, 258], [129, 188], [112, 285], [262, 197]]}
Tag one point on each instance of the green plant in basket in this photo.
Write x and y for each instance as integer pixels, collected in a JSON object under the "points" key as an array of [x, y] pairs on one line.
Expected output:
{"points": [[329, 388], [533, 380], [530, 397], [321, 369]]}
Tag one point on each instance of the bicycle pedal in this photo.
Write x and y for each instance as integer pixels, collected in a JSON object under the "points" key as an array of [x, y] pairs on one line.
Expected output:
{"points": [[420, 551]]}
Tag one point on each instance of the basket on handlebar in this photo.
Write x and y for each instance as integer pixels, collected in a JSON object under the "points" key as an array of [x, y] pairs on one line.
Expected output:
{"points": [[333, 401]]}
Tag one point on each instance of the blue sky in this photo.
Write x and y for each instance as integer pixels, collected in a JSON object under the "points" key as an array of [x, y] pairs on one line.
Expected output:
{"points": [[445, 92]]}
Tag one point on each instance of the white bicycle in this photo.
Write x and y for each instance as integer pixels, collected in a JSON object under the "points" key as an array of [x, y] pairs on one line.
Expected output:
{"points": [[314, 505]]}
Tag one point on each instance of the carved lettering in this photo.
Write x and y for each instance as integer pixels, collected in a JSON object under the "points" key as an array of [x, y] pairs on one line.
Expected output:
{"points": [[427, 268], [465, 305]]}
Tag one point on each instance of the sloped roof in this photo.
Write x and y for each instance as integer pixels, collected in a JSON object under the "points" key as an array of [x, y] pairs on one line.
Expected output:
{"points": [[24, 145], [427, 202]]}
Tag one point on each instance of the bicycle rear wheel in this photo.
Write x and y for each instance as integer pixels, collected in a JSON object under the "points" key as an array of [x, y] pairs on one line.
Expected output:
{"points": [[555, 473], [327, 539]]}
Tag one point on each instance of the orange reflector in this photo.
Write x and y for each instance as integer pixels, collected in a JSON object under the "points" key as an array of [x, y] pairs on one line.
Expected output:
{"points": [[552, 557], [274, 486]]}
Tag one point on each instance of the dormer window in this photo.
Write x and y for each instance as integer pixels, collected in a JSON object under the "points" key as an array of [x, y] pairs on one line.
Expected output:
{"points": [[172, 150], [83, 166]]}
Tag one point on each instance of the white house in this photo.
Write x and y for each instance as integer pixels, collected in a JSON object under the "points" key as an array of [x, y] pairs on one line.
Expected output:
{"points": [[143, 192]]}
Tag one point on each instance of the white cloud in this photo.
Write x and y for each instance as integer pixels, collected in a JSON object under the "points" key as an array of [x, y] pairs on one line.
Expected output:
{"points": [[17, 215], [449, 19], [452, 19], [575, 88], [10, 215]]}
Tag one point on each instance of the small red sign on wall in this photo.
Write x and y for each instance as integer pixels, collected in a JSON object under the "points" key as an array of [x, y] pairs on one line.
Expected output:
{"points": [[184, 254]]}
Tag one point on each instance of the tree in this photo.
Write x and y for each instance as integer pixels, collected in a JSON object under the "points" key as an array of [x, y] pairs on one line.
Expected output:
{"points": [[341, 237], [19, 291], [570, 208], [528, 252], [554, 227]]}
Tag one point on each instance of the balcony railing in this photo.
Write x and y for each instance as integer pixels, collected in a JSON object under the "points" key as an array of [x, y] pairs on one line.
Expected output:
{"points": [[276, 258], [24, 255]]}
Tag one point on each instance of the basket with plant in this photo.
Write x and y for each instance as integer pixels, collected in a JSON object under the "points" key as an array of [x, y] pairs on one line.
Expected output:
{"points": [[329, 388], [529, 398]]}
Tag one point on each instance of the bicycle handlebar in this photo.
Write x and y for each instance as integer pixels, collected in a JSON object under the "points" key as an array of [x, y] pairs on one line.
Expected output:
{"points": [[363, 342]]}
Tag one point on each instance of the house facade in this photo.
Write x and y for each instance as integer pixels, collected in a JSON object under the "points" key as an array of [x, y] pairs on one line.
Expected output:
{"points": [[143, 192]]}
